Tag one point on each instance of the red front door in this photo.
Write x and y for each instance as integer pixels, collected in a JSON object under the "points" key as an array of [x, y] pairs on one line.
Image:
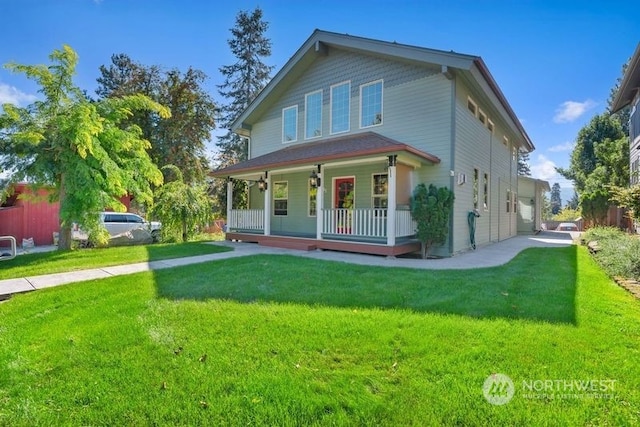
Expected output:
{"points": [[343, 193]]}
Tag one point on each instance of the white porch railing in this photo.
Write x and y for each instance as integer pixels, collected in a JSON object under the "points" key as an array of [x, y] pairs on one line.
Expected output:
{"points": [[405, 224], [246, 219], [348, 222], [365, 222]]}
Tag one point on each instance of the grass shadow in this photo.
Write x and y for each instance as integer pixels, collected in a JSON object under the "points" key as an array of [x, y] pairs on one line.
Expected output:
{"points": [[538, 284]]}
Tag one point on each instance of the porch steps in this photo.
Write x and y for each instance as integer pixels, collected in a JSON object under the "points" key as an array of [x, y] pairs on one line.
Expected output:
{"points": [[289, 244]]}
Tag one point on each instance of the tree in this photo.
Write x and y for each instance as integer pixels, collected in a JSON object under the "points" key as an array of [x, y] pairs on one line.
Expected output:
{"points": [[574, 202], [181, 139], [78, 147], [430, 208], [629, 198], [181, 207], [523, 165], [601, 131], [546, 207], [243, 80], [556, 201]]}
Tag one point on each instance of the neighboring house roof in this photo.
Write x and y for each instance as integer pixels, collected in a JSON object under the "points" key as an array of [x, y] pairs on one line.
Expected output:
{"points": [[541, 182], [345, 147], [630, 83], [473, 67]]}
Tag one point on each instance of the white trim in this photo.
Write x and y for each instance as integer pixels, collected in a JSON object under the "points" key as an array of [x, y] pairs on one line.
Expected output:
{"points": [[306, 113], [373, 194], [505, 140], [486, 195], [491, 126], [375, 82], [284, 141], [482, 117], [348, 83], [474, 113]]}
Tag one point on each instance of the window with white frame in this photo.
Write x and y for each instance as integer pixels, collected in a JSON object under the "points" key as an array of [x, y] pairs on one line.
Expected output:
{"points": [[514, 197], [371, 104], [490, 125], [472, 106], [313, 114], [379, 193], [340, 101], [486, 191], [476, 185], [505, 141], [290, 124], [280, 198], [482, 117], [508, 201], [313, 193]]}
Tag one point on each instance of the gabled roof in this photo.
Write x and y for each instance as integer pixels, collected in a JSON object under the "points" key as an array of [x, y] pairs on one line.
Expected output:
{"points": [[345, 147], [473, 66], [630, 83]]}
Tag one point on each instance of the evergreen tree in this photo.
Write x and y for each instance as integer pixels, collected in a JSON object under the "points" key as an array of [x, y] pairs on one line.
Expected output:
{"points": [[623, 114], [243, 81], [523, 165], [556, 200], [180, 140]]}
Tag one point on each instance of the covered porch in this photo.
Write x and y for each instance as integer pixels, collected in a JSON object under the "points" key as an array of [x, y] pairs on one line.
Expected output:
{"points": [[347, 194]]}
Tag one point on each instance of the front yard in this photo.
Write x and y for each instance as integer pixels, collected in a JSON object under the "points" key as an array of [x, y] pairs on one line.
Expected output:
{"points": [[279, 340]]}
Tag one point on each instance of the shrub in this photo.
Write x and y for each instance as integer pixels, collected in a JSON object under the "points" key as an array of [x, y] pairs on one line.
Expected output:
{"points": [[618, 253]]}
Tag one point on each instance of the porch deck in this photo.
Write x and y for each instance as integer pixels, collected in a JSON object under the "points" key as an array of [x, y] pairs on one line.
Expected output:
{"points": [[309, 244]]}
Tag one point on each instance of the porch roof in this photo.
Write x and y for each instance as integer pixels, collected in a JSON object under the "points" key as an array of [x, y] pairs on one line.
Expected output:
{"points": [[318, 152]]}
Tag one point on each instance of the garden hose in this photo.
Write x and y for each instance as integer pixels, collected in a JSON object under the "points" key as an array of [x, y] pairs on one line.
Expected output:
{"points": [[471, 219]]}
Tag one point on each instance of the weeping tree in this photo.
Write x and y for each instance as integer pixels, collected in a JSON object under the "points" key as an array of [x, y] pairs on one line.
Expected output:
{"points": [[184, 209], [79, 149], [430, 208]]}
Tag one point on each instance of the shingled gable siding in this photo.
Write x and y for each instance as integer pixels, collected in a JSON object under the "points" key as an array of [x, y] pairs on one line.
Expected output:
{"points": [[408, 90]]}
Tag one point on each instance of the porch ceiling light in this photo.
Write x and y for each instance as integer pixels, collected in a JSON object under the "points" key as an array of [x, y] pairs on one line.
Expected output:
{"points": [[314, 180], [262, 185]]}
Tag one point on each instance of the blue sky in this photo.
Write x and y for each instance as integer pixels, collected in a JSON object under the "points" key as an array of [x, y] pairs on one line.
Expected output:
{"points": [[555, 61]]}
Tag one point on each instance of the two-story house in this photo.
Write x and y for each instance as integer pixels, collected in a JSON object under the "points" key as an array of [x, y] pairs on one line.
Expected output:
{"points": [[629, 95], [341, 136]]}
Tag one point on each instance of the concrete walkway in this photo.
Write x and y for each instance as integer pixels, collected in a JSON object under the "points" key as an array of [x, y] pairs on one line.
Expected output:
{"points": [[487, 256]]}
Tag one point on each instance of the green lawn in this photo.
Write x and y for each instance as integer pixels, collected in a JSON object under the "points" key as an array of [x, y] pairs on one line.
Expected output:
{"points": [[80, 259], [280, 340]]}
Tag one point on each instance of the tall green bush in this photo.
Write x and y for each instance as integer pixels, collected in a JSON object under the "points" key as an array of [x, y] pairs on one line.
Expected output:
{"points": [[430, 208]]}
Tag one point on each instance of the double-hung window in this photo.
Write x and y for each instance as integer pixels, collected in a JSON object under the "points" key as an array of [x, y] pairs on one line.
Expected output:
{"points": [[380, 190], [290, 124], [340, 100], [371, 104], [313, 115], [280, 198]]}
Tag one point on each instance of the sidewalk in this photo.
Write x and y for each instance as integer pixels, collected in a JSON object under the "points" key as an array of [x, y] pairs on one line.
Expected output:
{"points": [[486, 256]]}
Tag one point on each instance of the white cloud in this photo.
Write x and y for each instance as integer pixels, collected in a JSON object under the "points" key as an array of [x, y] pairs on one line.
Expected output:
{"points": [[12, 95], [567, 146], [570, 111], [543, 168]]}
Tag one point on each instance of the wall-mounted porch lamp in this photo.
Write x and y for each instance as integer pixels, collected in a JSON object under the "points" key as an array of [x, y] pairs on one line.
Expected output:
{"points": [[262, 184], [314, 179]]}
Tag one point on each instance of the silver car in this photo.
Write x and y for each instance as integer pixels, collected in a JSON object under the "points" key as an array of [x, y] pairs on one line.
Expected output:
{"points": [[118, 223]]}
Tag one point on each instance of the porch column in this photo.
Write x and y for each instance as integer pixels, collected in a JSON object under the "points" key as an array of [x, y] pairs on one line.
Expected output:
{"points": [[229, 201], [391, 202], [319, 204], [267, 204]]}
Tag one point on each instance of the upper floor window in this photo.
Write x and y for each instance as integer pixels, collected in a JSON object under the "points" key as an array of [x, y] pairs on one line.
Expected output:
{"points": [[290, 124], [371, 104], [313, 114], [490, 125], [472, 106], [482, 117], [340, 99]]}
